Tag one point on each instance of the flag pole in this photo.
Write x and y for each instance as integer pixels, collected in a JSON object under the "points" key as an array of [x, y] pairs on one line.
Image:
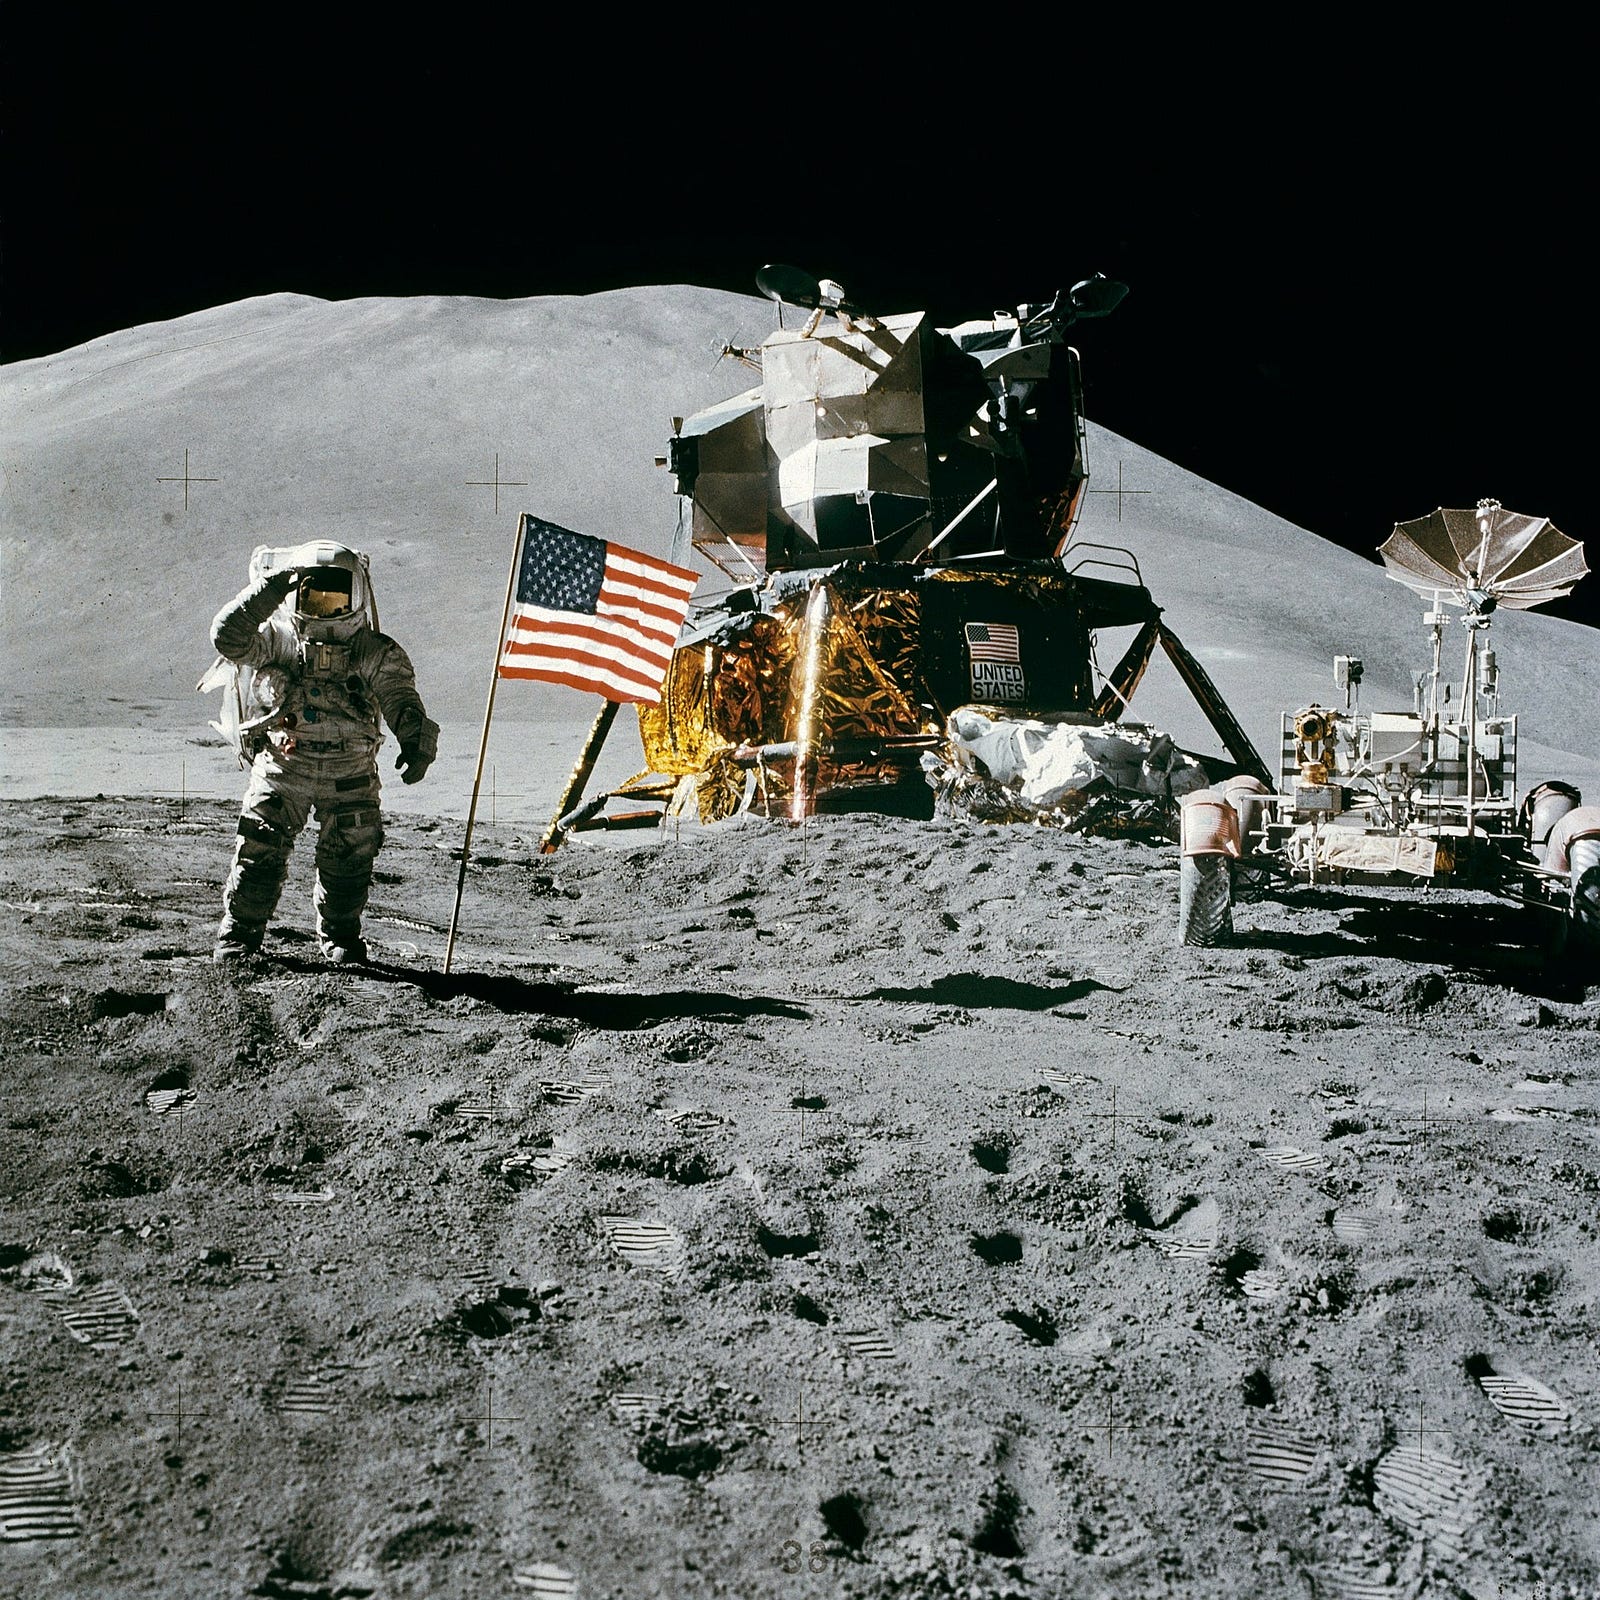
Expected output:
{"points": [[483, 743], [554, 834]]}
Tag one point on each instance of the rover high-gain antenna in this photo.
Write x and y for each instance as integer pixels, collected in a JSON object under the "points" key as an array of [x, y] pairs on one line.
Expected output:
{"points": [[1480, 560]]}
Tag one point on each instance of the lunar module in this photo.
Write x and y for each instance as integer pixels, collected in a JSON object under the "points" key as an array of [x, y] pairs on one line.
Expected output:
{"points": [[1426, 794], [894, 505]]}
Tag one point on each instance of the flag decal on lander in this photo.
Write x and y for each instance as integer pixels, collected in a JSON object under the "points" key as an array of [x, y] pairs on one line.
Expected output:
{"points": [[995, 651]]}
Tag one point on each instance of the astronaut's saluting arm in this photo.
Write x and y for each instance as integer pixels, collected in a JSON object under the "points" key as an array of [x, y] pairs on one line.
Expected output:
{"points": [[236, 629]]}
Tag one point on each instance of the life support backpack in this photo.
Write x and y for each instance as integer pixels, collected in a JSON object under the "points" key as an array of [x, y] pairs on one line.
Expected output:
{"points": [[243, 716]]}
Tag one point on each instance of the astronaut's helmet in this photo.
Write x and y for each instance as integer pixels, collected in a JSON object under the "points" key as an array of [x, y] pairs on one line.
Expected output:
{"points": [[332, 599]]}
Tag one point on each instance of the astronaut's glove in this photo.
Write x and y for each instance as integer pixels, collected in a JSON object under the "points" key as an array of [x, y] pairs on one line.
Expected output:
{"points": [[413, 762], [279, 584]]}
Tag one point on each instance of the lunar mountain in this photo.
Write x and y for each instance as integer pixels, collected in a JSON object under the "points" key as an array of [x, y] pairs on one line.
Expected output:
{"points": [[142, 468]]}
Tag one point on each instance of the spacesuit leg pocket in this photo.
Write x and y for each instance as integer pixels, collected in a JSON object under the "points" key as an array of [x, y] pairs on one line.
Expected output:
{"points": [[350, 834], [269, 822]]}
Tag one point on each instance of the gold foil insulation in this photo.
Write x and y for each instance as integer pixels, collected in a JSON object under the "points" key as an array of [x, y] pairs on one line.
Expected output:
{"points": [[829, 668]]}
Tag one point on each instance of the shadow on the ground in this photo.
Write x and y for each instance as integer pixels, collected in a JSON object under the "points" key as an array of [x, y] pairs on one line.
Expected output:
{"points": [[978, 991], [617, 1010], [1501, 943]]}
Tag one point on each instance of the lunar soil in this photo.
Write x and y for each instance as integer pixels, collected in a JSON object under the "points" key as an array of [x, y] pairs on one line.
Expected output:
{"points": [[877, 1210]]}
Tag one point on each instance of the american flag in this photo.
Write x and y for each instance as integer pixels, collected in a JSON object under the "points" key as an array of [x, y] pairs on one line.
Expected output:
{"points": [[993, 641], [593, 615]]}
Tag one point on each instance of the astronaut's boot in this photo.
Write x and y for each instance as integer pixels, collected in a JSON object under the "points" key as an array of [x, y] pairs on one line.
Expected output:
{"points": [[344, 947], [339, 928], [235, 944]]}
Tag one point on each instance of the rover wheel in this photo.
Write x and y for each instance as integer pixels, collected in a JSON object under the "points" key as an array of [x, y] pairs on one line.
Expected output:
{"points": [[1584, 856], [1205, 899]]}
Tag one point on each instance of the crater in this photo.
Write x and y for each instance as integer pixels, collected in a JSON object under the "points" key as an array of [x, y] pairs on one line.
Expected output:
{"points": [[412, 1544], [1540, 1284], [992, 1155], [997, 1532], [1341, 1127], [1503, 1226], [685, 1166], [114, 1180], [694, 1045], [486, 1320], [808, 1309], [676, 1164], [679, 1458], [1237, 1264], [843, 1517], [1133, 1206], [998, 1249], [123, 1003], [1258, 1390], [1040, 1327], [503, 1312], [780, 1245]]}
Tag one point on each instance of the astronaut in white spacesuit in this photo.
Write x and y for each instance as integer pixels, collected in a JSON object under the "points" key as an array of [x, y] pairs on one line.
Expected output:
{"points": [[318, 676]]}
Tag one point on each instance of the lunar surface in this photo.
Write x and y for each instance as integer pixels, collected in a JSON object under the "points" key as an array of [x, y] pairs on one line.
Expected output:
{"points": [[871, 1209], [874, 1209]]}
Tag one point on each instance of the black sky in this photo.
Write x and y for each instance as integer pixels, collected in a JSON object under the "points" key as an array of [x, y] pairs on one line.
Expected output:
{"points": [[1358, 288]]}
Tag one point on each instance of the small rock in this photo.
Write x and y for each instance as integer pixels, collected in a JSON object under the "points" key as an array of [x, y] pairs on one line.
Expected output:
{"points": [[1424, 992]]}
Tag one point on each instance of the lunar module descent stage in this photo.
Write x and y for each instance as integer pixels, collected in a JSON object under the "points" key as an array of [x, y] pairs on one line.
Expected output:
{"points": [[894, 505]]}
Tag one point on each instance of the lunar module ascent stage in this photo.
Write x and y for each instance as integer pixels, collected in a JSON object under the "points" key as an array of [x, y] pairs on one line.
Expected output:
{"points": [[894, 505]]}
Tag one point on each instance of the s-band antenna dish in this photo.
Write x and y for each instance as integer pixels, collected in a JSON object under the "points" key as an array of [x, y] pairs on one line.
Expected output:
{"points": [[1484, 558]]}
